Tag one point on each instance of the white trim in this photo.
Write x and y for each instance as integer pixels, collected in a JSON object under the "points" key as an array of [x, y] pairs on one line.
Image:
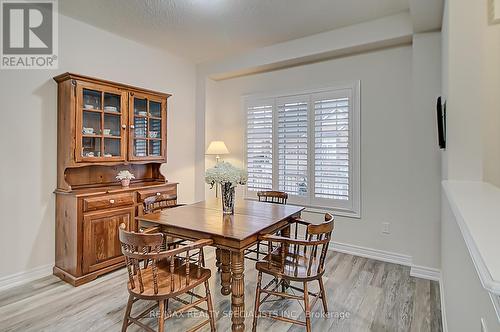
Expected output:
{"points": [[23, 277], [380, 255], [495, 299], [424, 272], [484, 328], [337, 211], [443, 309], [473, 189]]}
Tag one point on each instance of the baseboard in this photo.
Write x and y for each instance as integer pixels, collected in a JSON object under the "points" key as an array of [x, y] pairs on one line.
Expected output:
{"points": [[417, 271], [424, 272], [443, 309], [376, 254], [19, 278]]}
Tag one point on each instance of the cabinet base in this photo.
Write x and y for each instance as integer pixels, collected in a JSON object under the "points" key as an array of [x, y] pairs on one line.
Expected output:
{"points": [[77, 281]]}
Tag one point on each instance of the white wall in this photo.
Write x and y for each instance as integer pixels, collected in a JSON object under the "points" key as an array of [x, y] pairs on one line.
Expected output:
{"points": [[28, 135], [395, 132], [424, 152], [471, 81], [491, 87]]}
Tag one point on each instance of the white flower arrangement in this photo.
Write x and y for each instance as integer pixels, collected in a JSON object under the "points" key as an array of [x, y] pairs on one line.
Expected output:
{"points": [[223, 173], [125, 175]]}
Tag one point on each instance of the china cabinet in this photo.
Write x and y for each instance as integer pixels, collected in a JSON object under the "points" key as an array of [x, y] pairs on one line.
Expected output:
{"points": [[104, 127]]}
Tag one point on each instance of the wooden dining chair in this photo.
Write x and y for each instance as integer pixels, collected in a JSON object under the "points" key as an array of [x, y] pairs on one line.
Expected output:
{"points": [[294, 259], [157, 203], [277, 197], [158, 276]]}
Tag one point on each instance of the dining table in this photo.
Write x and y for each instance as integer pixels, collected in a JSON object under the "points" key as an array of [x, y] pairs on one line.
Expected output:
{"points": [[232, 234]]}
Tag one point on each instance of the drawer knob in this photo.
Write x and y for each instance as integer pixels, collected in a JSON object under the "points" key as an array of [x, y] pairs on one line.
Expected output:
{"points": [[112, 201], [124, 126], [158, 194]]}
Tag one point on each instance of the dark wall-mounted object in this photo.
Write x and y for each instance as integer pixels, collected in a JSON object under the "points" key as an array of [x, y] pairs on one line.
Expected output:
{"points": [[441, 123]]}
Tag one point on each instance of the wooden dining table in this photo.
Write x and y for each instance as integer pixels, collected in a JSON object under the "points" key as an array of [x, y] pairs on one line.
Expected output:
{"points": [[231, 235]]}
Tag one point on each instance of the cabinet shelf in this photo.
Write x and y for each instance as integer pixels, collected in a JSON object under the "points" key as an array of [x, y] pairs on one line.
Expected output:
{"points": [[92, 110], [148, 117], [101, 111], [112, 113]]}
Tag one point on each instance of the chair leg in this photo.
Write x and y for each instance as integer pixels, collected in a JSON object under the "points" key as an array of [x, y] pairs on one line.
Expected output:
{"points": [[258, 249], [210, 307], [127, 312], [203, 258], [161, 318], [323, 295], [257, 302], [217, 259], [307, 308]]}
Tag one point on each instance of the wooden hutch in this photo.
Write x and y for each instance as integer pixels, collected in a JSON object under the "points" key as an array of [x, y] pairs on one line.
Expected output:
{"points": [[103, 128]]}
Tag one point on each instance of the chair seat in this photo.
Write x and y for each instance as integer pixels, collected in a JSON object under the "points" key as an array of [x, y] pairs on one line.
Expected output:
{"points": [[294, 268], [165, 281]]}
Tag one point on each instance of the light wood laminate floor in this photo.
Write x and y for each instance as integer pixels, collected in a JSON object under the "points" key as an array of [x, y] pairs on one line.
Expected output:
{"points": [[363, 295]]}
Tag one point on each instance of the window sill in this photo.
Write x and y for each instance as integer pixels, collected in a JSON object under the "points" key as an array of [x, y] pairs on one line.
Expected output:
{"points": [[323, 210], [476, 210]]}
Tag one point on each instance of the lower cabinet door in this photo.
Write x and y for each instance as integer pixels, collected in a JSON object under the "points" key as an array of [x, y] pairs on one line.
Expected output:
{"points": [[101, 245]]}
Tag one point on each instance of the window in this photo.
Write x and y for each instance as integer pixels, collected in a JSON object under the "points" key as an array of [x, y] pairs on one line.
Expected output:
{"points": [[260, 147], [306, 144]]}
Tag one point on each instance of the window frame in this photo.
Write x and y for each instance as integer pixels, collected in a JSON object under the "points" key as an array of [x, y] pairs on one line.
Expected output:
{"points": [[312, 204]]}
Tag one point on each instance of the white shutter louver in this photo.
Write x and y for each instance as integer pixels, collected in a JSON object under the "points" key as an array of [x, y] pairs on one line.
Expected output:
{"points": [[331, 145], [292, 147], [260, 147]]}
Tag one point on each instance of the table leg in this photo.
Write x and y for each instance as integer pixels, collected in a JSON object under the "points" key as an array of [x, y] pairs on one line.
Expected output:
{"points": [[285, 233], [225, 260], [238, 291]]}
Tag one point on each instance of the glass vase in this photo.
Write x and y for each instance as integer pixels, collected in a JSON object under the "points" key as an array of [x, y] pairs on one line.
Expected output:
{"points": [[227, 198]]}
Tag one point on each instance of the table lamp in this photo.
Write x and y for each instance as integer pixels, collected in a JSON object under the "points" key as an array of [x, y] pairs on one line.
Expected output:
{"points": [[217, 148]]}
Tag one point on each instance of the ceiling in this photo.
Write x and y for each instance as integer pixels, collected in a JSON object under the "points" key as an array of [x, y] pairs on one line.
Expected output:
{"points": [[202, 30]]}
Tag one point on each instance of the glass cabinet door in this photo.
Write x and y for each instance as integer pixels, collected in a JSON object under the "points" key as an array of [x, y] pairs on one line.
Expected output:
{"points": [[101, 123], [148, 119]]}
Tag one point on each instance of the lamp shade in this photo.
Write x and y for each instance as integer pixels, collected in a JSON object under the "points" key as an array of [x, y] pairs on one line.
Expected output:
{"points": [[217, 148]]}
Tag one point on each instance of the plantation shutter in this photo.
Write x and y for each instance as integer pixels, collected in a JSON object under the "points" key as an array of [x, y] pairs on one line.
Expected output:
{"points": [[292, 145], [332, 140], [260, 146]]}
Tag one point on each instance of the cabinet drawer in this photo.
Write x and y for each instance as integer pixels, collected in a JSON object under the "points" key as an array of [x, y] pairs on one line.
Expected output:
{"points": [[162, 193], [106, 202]]}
